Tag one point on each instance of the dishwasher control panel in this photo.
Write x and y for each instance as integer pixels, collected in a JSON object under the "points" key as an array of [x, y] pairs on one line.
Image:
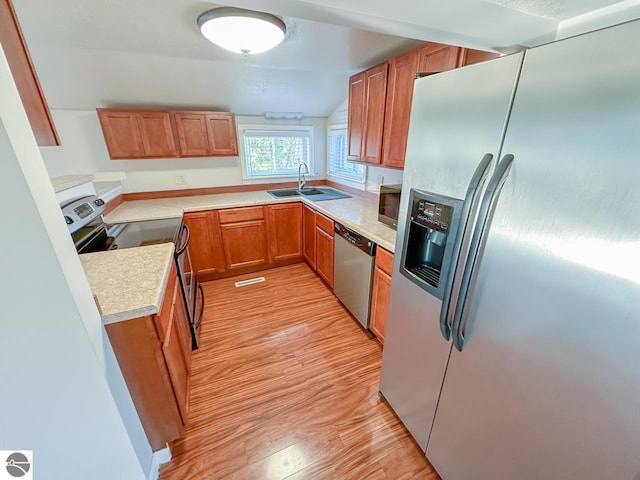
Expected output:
{"points": [[355, 239]]}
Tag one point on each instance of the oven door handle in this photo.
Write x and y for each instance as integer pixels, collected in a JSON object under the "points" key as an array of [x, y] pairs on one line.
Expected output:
{"points": [[199, 321], [184, 233]]}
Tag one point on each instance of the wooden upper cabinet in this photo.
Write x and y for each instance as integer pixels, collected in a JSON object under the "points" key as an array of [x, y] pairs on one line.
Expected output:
{"points": [[435, 57], [402, 72], [131, 134], [374, 118], [284, 231], [192, 134], [25, 77], [204, 134], [357, 101], [158, 140], [469, 57], [137, 134], [367, 94], [121, 133], [221, 129]]}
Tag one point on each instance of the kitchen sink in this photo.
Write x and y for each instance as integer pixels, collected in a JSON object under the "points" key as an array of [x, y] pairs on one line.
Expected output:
{"points": [[314, 194], [289, 192]]}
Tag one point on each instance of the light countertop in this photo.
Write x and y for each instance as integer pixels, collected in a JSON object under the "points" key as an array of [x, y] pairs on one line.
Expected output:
{"points": [[66, 182], [356, 213], [131, 282]]}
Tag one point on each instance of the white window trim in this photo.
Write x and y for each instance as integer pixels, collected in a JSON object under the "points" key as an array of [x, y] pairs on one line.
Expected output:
{"points": [[342, 126], [274, 128]]}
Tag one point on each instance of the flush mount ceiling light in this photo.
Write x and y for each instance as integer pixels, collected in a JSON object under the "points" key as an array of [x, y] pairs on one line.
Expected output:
{"points": [[242, 31]]}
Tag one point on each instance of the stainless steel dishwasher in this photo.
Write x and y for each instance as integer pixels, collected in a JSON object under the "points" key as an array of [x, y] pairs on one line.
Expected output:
{"points": [[353, 271]]}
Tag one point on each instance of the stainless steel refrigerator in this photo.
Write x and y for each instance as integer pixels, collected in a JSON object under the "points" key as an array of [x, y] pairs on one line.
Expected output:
{"points": [[521, 360]]}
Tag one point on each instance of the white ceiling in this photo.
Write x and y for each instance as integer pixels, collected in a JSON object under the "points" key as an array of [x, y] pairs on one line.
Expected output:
{"points": [[150, 52]]}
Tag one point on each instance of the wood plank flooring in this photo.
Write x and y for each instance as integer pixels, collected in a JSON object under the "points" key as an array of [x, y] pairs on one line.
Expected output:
{"points": [[285, 386]]}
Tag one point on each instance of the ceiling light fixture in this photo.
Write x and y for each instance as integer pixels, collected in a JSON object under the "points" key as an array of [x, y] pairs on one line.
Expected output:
{"points": [[242, 31]]}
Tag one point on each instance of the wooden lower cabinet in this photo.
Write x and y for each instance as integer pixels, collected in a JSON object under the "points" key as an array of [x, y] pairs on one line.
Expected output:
{"points": [[244, 237], [154, 354], [284, 231], [309, 235], [324, 248], [205, 242], [245, 244], [381, 292]]}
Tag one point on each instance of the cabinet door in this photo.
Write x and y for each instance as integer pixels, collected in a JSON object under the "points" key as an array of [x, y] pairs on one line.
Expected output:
{"points": [[157, 135], [25, 77], [324, 256], [121, 133], [380, 303], [374, 116], [285, 231], [221, 129], [355, 128], [309, 235], [402, 71], [172, 348], [244, 243], [193, 136], [205, 242], [435, 57]]}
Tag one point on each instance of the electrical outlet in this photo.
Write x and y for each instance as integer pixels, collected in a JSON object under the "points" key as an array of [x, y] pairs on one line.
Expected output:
{"points": [[179, 180]]}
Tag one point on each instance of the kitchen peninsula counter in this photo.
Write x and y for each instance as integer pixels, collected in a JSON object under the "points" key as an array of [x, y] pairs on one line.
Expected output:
{"points": [[129, 283]]}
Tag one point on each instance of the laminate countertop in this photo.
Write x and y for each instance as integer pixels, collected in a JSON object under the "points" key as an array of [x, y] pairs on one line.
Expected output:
{"points": [[131, 282], [356, 213]]}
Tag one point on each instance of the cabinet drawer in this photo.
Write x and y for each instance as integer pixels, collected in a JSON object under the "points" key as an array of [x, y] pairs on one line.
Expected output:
{"points": [[233, 215], [166, 309], [324, 223], [384, 260]]}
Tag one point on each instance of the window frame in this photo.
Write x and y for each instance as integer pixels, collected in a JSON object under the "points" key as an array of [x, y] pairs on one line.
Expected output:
{"points": [[268, 128], [350, 178]]}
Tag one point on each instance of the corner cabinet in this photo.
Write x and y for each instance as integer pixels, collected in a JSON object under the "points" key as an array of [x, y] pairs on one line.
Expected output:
{"points": [[309, 236], [380, 292], [380, 101], [205, 241], [367, 94], [324, 248], [139, 134], [25, 77], [154, 354], [284, 231]]}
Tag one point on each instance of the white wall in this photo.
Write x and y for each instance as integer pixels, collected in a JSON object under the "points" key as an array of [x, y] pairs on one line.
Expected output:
{"points": [[53, 362], [375, 176], [83, 150]]}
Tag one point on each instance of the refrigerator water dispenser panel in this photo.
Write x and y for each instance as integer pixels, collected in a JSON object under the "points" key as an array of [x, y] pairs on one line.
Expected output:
{"points": [[431, 228]]}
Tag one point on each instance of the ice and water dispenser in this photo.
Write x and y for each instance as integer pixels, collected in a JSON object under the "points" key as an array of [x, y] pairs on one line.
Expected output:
{"points": [[430, 233]]}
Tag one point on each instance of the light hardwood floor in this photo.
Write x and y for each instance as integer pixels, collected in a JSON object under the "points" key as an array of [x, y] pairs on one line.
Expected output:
{"points": [[285, 386]]}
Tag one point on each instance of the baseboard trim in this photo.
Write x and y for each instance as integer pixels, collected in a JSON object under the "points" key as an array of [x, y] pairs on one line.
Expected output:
{"points": [[158, 459]]}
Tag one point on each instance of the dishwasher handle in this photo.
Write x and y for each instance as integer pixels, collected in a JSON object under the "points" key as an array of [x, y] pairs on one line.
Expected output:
{"points": [[359, 241]]}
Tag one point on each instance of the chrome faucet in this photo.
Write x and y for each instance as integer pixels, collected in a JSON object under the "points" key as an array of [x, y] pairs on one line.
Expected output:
{"points": [[301, 180]]}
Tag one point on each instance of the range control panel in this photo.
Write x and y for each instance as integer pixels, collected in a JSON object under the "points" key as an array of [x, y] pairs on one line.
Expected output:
{"points": [[431, 215], [81, 211]]}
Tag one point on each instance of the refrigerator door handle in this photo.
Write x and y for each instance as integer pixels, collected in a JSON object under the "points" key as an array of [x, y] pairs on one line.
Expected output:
{"points": [[486, 208], [470, 200]]}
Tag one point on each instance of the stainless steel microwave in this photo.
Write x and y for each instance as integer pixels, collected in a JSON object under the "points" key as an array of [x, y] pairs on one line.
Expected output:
{"points": [[389, 204]]}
